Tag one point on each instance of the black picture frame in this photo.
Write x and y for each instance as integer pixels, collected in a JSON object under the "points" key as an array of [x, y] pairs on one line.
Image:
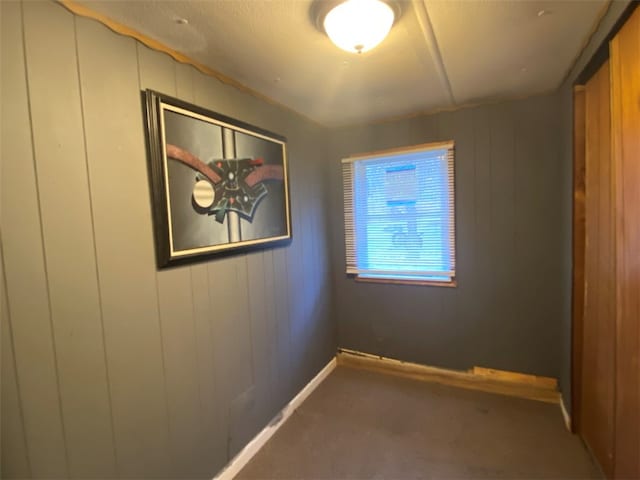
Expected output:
{"points": [[218, 185]]}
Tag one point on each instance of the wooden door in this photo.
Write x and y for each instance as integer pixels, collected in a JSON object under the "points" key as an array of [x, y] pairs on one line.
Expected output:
{"points": [[598, 329], [625, 101], [577, 292]]}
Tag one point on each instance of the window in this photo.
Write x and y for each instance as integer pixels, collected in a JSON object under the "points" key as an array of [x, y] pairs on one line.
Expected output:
{"points": [[399, 214]]}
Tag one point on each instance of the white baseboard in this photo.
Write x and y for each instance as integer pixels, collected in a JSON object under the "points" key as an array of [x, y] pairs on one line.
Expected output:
{"points": [[565, 414], [242, 458]]}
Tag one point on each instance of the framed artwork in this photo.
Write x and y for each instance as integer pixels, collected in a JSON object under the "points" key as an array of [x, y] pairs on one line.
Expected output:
{"points": [[217, 184]]}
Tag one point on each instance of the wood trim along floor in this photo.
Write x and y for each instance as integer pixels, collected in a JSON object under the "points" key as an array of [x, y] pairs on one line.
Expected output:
{"points": [[534, 380], [520, 385], [238, 462]]}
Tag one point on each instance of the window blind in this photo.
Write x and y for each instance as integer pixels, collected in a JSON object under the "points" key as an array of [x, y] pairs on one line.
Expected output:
{"points": [[399, 213]]}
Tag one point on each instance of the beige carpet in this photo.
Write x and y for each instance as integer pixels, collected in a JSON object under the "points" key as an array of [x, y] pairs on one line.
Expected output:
{"points": [[361, 425]]}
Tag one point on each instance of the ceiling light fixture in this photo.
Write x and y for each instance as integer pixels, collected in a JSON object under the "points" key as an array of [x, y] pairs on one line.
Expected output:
{"points": [[357, 26]]}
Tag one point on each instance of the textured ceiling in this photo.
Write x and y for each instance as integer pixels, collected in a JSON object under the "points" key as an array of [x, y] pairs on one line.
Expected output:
{"points": [[438, 55]]}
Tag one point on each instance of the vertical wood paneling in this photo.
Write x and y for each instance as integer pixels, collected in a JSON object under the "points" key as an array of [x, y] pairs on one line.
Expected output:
{"points": [[263, 340], [483, 225], [538, 193], [231, 334], [124, 247], [24, 264], [599, 310], [162, 373], [229, 310], [244, 407], [625, 77], [302, 261], [212, 404], [14, 460], [282, 305], [278, 361], [157, 71], [503, 245], [295, 285], [507, 186], [210, 448], [322, 332], [185, 89], [68, 238], [181, 368]]}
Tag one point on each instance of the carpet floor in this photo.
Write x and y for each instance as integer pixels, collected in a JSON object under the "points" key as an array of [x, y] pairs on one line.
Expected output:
{"points": [[363, 425]]}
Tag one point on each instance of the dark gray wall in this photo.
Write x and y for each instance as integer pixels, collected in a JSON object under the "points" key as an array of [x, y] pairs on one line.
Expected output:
{"points": [[109, 367], [507, 309], [565, 101]]}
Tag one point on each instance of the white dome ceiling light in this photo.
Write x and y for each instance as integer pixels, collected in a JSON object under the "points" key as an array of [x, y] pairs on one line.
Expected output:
{"points": [[357, 26]]}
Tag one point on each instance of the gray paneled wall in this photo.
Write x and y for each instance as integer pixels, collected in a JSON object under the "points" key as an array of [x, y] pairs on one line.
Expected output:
{"points": [[111, 368], [506, 311]]}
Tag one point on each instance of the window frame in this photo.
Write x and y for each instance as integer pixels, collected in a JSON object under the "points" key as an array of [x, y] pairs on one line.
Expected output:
{"points": [[399, 151]]}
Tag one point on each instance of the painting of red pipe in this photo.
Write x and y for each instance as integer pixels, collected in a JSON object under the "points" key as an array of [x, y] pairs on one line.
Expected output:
{"points": [[218, 185]]}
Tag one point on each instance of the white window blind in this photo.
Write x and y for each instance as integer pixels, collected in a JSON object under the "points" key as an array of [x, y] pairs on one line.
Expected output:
{"points": [[399, 213]]}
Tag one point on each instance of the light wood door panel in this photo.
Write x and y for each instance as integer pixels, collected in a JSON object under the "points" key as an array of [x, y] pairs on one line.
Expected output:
{"points": [[577, 298], [625, 78], [598, 336]]}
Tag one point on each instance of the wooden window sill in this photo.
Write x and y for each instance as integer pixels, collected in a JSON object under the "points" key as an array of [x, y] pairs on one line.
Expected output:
{"points": [[395, 281]]}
